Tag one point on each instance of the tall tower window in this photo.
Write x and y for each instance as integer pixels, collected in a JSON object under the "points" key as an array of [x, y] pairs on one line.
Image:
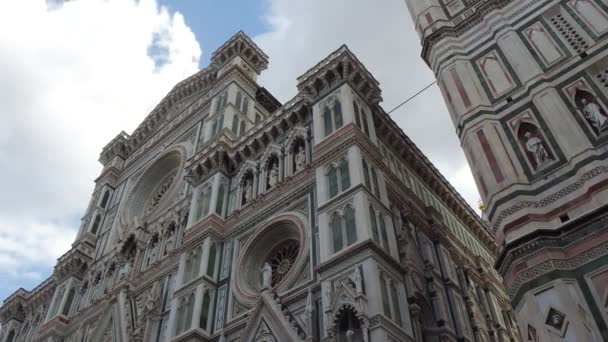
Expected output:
{"points": [[338, 177], [343, 229], [96, 223], [205, 306], [332, 117], [104, 200]]}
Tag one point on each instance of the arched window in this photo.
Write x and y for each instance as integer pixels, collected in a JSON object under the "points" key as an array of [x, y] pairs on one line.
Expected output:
{"points": [[11, 336], [192, 265], [104, 200], [338, 114], [68, 302], [344, 175], [245, 108], [364, 120], [338, 178], [243, 128], [343, 229], [383, 232], [336, 229], [333, 181], [351, 229], [203, 202], [239, 98], [211, 260], [327, 121], [385, 301], [205, 311], [189, 312], [235, 125], [96, 223], [219, 205], [375, 180], [357, 118], [366, 175], [349, 327], [396, 303], [372, 217]]}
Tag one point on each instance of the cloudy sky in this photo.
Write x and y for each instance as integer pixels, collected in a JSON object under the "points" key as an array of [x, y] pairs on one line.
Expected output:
{"points": [[74, 76]]}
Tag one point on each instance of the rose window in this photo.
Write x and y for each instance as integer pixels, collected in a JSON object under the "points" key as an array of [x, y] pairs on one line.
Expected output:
{"points": [[282, 260], [160, 193]]}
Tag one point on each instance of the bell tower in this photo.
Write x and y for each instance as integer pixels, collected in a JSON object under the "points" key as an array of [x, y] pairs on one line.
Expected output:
{"points": [[525, 83]]}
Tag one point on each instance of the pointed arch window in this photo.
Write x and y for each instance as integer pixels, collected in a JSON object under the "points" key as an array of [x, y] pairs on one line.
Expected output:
{"points": [[243, 128], [396, 303], [184, 314], [11, 336], [221, 194], [338, 178], [357, 118], [327, 121], [203, 202], [211, 259], [205, 308], [336, 229], [343, 229], [192, 265], [245, 107], [366, 177], [332, 117], [239, 99], [68, 302], [235, 125], [364, 120], [104, 200], [96, 223], [384, 293], [383, 232], [351, 229], [338, 114], [372, 217], [375, 181]]}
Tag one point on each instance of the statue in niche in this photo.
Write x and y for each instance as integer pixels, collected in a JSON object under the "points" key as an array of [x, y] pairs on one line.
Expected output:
{"points": [[273, 175], [266, 276], [300, 159], [170, 239], [152, 299], [350, 336], [591, 109], [247, 190], [537, 148], [357, 279]]}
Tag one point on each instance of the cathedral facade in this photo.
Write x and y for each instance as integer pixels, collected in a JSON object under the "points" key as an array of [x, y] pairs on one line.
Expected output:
{"points": [[526, 83], [229, 216]]}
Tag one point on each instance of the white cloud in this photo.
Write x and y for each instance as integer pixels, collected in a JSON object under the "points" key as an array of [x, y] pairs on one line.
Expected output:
{"points": [[381, 34], [72, 78]]}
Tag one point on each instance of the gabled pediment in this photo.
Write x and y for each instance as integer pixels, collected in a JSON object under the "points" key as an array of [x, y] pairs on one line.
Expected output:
{"points": [[267, 323]]}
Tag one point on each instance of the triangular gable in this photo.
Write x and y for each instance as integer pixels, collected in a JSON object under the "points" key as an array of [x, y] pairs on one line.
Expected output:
{"points": [[268, 323], [105, 330]]}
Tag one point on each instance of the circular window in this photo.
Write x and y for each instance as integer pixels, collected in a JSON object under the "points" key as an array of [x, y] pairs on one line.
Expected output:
{"points": [[281, 243], [155, 188], [282, 259]]}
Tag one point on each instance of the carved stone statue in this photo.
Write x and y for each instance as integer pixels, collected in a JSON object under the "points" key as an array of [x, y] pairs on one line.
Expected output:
{"points": [[266, 276], [273, 176], [300, 159], [247, 191], [594, 114], [125, 269], [151, 299], [350, 336], [536, 147], [357, 280]]}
